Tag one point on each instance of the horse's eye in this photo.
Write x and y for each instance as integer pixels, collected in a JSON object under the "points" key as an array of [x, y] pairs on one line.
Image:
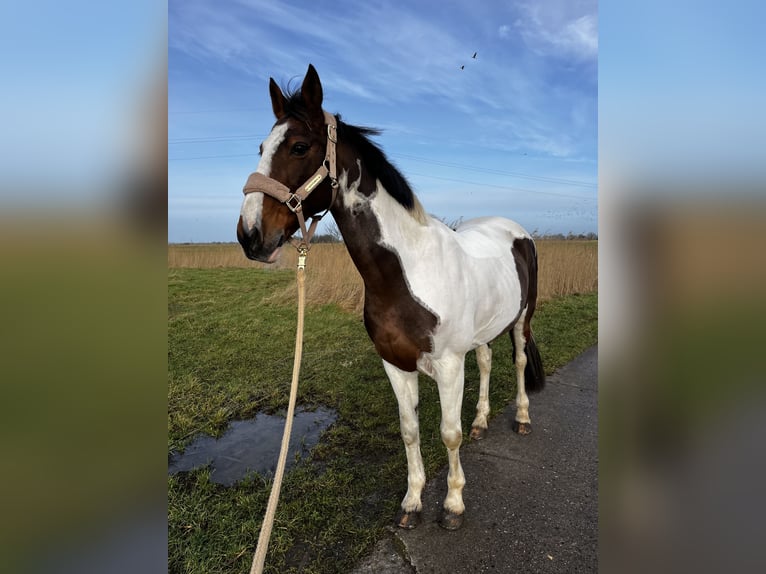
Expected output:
{"points": [[299, 149]]}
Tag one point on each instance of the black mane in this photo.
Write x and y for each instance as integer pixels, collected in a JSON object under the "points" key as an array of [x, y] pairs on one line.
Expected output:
{"points": [[370, 153]]}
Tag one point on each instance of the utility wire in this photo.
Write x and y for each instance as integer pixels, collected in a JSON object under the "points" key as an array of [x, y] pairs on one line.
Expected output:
{"points": [[216, 139], [496, 171], [545, 179], [505, 187], [230, 110], [212, 156]]}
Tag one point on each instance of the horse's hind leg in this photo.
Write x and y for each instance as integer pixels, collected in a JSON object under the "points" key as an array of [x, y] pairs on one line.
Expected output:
{"points": [[523, 424], [479, 425], [405, 385]]}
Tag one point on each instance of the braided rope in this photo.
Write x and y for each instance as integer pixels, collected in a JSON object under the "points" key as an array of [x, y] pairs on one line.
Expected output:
{"points": [[268, 520]]}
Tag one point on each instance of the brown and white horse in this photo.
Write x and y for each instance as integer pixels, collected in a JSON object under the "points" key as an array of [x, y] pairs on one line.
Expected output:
{"points": [[432, 294]]}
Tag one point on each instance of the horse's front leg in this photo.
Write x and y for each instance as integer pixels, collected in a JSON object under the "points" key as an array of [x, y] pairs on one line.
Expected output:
{"points": [[450, 375], [405, 385]]}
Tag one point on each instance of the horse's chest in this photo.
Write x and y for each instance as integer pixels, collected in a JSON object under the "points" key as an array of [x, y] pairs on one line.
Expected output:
{"points": [[400, 328]]}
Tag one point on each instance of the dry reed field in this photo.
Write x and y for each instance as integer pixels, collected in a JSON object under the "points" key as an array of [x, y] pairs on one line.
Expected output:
{"points": [[208, 256], [565, 268]]}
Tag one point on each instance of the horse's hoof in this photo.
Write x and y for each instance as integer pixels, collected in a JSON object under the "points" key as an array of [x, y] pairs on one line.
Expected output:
{"points": [[450, 520], [522, 428], [478, 433], [407, 520]]}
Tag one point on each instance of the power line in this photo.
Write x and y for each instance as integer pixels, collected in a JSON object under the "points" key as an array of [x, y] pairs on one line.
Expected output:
{"points": [[217, 139], [545, 179], [505, 187], [230, 110], [211, 156]]}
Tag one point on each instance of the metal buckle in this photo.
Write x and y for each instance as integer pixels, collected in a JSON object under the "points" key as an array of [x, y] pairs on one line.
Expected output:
{"points": [[332, 133], [298, 205], [302, 252]]}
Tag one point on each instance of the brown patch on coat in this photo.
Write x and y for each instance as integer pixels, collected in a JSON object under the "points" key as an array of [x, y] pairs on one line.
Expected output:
{"points": [[399, 325]]}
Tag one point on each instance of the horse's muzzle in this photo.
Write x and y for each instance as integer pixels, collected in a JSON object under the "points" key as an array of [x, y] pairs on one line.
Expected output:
{"points": [[251, 242], [254, 246]]}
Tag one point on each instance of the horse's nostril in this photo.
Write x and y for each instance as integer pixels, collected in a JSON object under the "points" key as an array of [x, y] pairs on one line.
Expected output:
{"points": [[250, 240], [243, 233]]}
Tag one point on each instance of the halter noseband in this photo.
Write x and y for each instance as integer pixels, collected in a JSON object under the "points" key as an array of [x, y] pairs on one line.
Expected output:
{"points": [[257, 182]]}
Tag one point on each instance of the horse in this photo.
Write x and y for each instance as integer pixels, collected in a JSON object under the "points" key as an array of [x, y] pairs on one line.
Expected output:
{"points": [[432, 294]]}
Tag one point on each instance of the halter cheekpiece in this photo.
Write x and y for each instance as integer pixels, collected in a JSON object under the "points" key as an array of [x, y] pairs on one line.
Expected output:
{"points": [[257, 182]]}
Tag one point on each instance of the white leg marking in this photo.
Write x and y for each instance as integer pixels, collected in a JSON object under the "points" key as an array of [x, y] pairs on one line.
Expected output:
{"points": [[405, 387], [252, 206], [522, 401], [450, 374], [484, 359]]}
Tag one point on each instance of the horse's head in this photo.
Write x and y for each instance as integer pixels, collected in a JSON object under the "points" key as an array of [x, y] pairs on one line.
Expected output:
{"points": [[290, 155]]}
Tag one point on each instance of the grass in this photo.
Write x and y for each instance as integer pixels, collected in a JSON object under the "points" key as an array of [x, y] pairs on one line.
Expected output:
{"points": [[230, 356]]}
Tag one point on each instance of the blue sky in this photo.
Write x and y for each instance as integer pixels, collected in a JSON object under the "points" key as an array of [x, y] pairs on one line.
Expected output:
{"points": [[74, 85], [514, 133], [681, 96]]}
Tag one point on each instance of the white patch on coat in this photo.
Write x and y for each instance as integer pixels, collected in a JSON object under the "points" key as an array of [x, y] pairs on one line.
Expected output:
{"points": [[460, 276], [252, 206], [468, 279], [352, 199]]}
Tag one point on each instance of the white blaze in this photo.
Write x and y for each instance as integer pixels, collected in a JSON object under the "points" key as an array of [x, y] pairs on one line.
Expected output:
{"points": [[253, 204]]}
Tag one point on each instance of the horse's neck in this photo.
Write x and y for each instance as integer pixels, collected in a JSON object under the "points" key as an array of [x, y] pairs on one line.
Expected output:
{"points": [[373, 225]]}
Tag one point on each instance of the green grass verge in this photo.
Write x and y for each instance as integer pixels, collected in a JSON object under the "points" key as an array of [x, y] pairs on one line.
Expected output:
{"points": [[230, 357]]}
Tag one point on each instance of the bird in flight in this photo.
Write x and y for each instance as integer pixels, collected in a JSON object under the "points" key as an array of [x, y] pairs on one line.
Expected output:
{"points": [[474, 57]]}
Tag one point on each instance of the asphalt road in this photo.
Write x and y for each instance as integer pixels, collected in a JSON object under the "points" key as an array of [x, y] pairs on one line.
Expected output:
{"points": [[531, 501]]}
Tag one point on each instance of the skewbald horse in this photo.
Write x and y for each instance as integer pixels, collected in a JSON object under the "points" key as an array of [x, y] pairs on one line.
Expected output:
{"points": [[432, 294]]}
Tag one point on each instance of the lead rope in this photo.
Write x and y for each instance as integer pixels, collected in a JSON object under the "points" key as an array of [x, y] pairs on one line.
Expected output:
{"points": [[268, 520]]}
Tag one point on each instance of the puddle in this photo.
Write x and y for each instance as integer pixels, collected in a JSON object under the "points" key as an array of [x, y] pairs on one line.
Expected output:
{"points": [[252, 445]]}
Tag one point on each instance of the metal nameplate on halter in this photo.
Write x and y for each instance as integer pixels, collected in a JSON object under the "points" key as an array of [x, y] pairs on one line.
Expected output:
{"points": [[294, 203], [314, 181]]}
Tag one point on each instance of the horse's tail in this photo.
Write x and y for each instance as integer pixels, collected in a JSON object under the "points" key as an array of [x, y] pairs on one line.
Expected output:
{"points": [[534, 374]]}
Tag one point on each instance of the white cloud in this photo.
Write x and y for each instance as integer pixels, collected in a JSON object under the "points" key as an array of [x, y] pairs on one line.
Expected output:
{"points": [[504, 31], [564, 29], [580, 36]]}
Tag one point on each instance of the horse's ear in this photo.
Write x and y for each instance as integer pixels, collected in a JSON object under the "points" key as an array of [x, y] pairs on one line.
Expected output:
{"points": [[311, 91], [277, 99]]}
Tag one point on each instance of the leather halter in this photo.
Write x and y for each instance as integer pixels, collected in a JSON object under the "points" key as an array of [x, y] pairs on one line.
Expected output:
{"points": [[257, 182]]}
